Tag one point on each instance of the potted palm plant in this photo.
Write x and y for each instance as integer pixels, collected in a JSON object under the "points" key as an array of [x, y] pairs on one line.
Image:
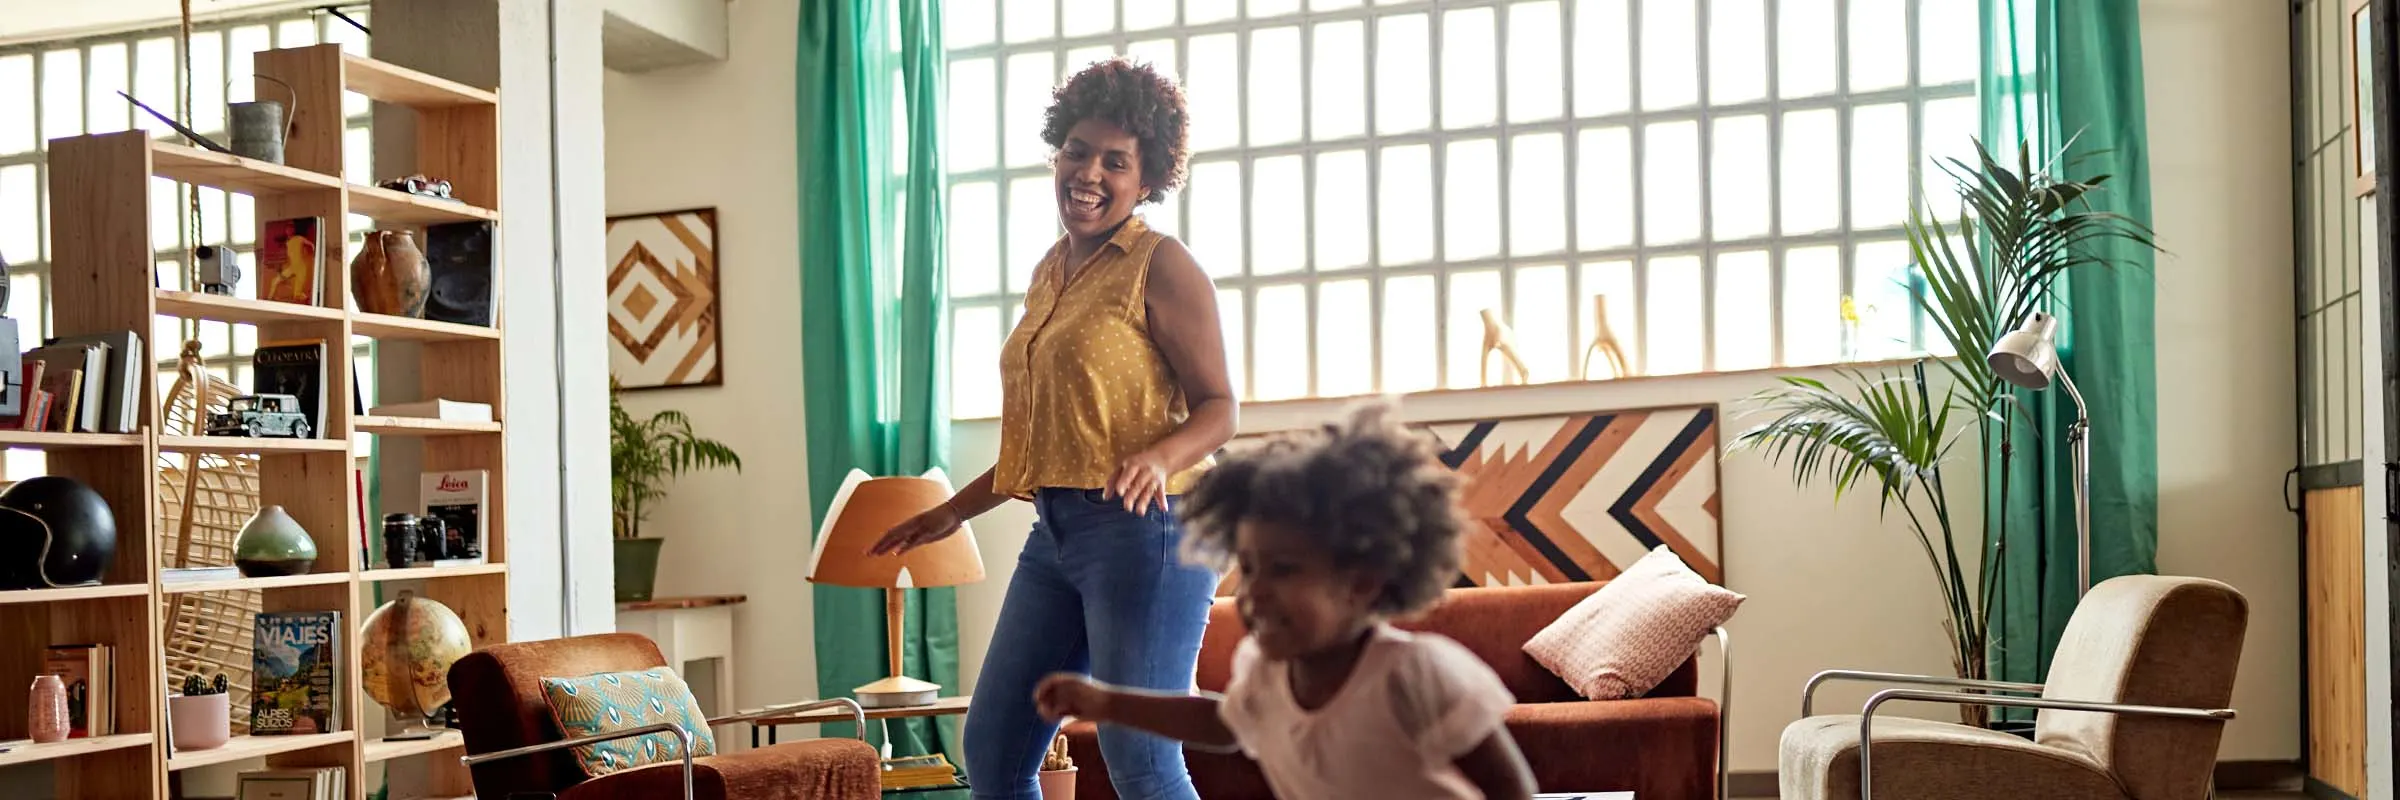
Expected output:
{"points": [[2020, 229], [644, 454]]}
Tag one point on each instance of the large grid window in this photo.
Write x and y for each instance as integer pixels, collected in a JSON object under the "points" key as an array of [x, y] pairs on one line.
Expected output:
{"points": [[1712, 176], [57, 89]]}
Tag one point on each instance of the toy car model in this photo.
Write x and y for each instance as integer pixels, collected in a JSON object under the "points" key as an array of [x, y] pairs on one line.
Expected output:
{"points": [[264, 415]]}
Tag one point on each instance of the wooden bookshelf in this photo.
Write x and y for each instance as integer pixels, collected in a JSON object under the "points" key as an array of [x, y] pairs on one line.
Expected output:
{"points": [[102, 280]]}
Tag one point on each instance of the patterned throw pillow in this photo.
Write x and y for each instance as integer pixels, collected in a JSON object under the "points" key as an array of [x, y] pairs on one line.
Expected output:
{"points": [[616, 701], [1633, 632]]}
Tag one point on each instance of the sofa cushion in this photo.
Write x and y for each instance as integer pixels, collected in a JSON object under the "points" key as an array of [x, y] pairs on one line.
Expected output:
{"points": [[817, 769], [617, 701], [1631, 634]]}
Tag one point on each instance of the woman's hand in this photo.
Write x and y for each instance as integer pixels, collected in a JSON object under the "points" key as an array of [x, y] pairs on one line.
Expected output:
{"points": [[1141, 480], [929, 526], [1066, 694]]}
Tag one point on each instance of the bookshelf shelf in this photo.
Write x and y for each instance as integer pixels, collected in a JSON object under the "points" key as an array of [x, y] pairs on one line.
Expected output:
{"points": [[221, 308], [244, 748], [36, 753], [385, 326], [400, 85], [386, 749], [419, 426], [430, 573], [72, 593], [233, 445], [53, 440], [255, 584], [401, 208], [233, 173]]}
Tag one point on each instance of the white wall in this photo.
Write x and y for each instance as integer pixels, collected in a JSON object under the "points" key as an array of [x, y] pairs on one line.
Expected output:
{"points": [[1829, 586]]}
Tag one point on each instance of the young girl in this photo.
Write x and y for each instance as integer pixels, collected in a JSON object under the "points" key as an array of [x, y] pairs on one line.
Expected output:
{"points": [[1334, 533]]}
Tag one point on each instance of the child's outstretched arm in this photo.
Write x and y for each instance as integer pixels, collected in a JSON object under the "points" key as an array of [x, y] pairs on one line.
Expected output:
{"points": [[1188, 718], [1497, 768]]}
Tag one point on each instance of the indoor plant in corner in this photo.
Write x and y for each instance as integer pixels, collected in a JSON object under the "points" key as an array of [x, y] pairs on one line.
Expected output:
{"points": [[643, 455], [2022, 228]]}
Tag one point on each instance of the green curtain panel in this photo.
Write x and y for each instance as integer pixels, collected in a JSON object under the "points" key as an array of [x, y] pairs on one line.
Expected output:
{"points": [[2069, 73], [872, 311]]}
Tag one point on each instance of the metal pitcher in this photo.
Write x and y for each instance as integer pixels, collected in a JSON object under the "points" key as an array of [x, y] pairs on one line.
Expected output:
{"points": [[259, 126]]}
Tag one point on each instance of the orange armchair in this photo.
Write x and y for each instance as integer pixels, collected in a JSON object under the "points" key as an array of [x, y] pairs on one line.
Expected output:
{"points": [[514, 746]]}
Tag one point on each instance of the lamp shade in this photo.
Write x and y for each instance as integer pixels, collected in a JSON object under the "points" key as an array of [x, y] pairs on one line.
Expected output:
{"points": [[2027, 356], [863, 510]]}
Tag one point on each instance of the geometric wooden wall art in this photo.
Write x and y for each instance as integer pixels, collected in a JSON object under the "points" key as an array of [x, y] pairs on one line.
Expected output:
{"points": [[1580, 497], [662, 300]]}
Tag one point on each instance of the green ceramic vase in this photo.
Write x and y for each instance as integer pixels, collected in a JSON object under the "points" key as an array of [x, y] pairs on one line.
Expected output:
{"points": [[273, 544]]}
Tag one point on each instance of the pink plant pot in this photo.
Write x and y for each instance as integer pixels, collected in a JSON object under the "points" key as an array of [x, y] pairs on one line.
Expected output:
{"points": [[202, 722], [1058, 784]]}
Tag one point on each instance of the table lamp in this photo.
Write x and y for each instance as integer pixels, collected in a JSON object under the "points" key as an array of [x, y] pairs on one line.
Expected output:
{"points": [[861, 511], [2028, 357]]}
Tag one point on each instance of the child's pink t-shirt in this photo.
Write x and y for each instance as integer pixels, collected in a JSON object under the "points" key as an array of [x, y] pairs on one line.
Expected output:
{"points": [[1414, 703]]}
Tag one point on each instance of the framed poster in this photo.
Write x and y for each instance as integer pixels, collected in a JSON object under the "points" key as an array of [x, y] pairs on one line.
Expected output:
{"points": [[662, 300]]}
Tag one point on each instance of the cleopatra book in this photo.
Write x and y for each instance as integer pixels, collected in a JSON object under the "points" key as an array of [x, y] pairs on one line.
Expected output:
{"points": [[293, 667]]}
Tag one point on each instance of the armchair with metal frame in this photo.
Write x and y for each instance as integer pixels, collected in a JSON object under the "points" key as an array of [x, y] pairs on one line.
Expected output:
{"points": [[2133, 710], [858, 715]]}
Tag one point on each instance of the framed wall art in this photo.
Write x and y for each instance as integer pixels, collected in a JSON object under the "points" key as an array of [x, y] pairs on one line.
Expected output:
{"points": [[663, 329]]}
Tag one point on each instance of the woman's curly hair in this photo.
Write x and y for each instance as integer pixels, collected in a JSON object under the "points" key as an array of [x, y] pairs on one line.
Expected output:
{"points": [[1129, 95], [1370, 492]]}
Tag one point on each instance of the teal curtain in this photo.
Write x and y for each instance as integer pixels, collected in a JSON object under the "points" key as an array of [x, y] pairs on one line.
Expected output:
{"points": [[2068, 73], [871, 313]]}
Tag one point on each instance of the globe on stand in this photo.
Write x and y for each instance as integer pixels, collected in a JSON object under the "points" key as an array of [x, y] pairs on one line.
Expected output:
{"points": [[407, 648]]}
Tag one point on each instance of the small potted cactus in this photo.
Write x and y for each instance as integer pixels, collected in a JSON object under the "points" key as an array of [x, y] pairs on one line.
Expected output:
{"points": [[1058, 771], [200, 716]]}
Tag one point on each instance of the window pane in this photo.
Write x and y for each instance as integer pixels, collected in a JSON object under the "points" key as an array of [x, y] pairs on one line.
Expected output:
{"points": [[1028, 20], [1215, 196], [107, 112], [1278, 219], [153, 81], [1738, 198], [1199, 11], [239, 45], [1408, 338], [1538, 309], [1608, 287], [1271, 8], [1341, 210], [1331, 5], [1737, 51], [1082, 58], [1534, 88], [1165, 216], [966, 23], [1030, 78], [1401, 85], [1087, 17], [1158, 53], [1471, 200], [1032, 228], [970, 114], [1950, 130], [1337, 103], [208, 81], [20, 223], [975, 338], [1281, 370], [358, 156], [1345, 339], [1469, 59], [1230, 314], [1672, 327], [1537, 193], [16, 91], [1404, 205], [1879, 166], [23, 464], [1804, 47], [1813, 330], [1603, 79], [1811, 172], [295, 33], [1213, 93], [1142, 15], [1745, 331], [1878, 50], [1604, 186], [1671, 182], [166, 213], [62, 94], [1469, 295], [1947, 48], [1670, 54], [25, 303], [974, 217], [1275, 112], [1880, 281]]}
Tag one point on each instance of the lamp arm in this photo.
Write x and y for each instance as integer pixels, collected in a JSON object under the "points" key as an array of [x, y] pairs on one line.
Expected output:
{"points": [[2079, 445], [2082, 413]]}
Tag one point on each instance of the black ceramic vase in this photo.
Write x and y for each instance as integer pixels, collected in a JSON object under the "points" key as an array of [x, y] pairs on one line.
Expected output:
{"points": [[54, 531]]}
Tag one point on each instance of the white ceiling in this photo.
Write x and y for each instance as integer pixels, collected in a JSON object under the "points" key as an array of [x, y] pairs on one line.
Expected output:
{"points": [[42, 19]]}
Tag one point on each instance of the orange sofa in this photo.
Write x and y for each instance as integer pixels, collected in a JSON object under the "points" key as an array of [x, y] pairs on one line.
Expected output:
{"points": [[1661, 747]]}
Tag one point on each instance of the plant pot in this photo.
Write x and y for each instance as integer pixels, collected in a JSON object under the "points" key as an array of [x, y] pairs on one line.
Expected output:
{"points": [[273, 544], [200, 721], [637, 568], [1058, 784]]}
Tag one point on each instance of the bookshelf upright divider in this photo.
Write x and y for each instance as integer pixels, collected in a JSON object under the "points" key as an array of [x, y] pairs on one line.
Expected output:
{"points": [[104, 278]]}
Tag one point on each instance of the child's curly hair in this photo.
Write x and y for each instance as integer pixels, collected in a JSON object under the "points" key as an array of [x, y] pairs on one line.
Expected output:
{"points": [[1133, 96], [1370, 492]]}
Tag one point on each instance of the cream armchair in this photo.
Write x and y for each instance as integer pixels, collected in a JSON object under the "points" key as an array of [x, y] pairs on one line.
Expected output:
{"points": [[2133, 710]]}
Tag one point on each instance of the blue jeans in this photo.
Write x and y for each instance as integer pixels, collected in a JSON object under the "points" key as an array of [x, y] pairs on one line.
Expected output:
{"points": [[1097, 590]]}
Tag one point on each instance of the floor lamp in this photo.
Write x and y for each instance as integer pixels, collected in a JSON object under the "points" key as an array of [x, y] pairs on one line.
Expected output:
{"points": [[2028, 357]]}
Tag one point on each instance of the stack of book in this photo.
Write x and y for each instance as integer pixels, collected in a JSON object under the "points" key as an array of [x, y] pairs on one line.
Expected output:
{"points": [[299, 783], [89, 383], [90, 673], [912, 772]]}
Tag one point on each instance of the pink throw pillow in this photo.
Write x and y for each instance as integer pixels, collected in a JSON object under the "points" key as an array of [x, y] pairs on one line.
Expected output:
{"points": [[1635, 631]]}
